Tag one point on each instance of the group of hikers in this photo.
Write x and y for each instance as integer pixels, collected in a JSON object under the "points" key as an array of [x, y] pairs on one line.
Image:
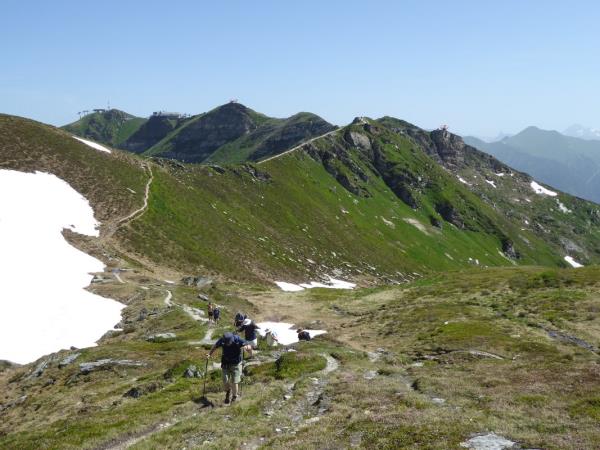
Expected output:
{"points": [[233, 347]]}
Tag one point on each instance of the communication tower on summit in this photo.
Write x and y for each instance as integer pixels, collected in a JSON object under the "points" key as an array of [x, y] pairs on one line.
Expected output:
{"points": [[233, 100]]}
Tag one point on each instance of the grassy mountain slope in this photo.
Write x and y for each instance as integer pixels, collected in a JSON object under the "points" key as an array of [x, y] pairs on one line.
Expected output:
{"points": [[568, 163], [568, 223], [155, 128], [513, 350], [334, 207], [113, 183], [112, 127], [233, 133]]}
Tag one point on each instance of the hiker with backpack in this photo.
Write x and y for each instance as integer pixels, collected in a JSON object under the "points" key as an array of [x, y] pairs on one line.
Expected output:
{"points": [[303, 335], [249, 328], [216, 314], [239, 319], [210, 311], [231, 363]]}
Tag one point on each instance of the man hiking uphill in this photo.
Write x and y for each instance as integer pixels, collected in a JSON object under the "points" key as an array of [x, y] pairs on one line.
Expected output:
{"points": [[231, 363], [249, 328]]}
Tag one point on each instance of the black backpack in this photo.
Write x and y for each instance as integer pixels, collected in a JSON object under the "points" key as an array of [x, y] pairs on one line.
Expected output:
{"points": [[216, 313]]}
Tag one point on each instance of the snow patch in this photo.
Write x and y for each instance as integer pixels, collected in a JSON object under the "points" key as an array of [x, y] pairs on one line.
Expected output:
{"points": [[491, 183], [388, 222], [93, 144], [45, 307], [541, 190], [500, 174], [562, 207], [418, 225], [462, 180], [331, 284], [489, 441], [285, 332], [572, 262]]}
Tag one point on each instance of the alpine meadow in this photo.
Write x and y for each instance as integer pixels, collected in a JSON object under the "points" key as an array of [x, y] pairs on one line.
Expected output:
{"points": [[251, 276]]}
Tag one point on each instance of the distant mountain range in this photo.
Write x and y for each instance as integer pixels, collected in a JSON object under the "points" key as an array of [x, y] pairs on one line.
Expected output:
{"points": [[582, 132], [569, 163], [227, 134]]}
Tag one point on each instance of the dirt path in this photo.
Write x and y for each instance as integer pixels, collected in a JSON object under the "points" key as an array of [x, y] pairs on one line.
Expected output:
{"points": [[168, 298], [300, 146], [138, 212]]}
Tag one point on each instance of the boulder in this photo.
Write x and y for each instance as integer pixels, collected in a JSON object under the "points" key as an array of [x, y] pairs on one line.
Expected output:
{"points": [[68, 360], [103, 364], [203, 297], [161, 337], [198, 282], [192, 372]]}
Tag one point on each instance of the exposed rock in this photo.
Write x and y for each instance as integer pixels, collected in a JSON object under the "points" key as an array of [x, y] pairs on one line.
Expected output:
{"points": [[358, 140], [143, 315], [160, 337], [103, 364], [450, 214], [138, 391], [16, 402], [192, 372], [198, 282], [489, 441], [203, 297], [509, 250], [68, 360], [39, 369]]}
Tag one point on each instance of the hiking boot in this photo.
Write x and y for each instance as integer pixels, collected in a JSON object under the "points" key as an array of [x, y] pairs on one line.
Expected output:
{"points": [[227, 398], [233, 399]]}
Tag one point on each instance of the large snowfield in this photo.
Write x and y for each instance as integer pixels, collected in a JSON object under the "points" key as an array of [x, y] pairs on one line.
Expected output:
{"points": [[42, 278]]}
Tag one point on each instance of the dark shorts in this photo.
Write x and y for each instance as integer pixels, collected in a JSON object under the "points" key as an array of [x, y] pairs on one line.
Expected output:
{"points": [[210, 314]]}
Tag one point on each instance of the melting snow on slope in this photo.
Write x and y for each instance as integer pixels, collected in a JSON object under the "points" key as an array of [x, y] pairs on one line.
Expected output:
{"points": [[572, 262], [491, 183], [285, 332], [44, 305], [418, 225], [463, 181], [562, 207], [93, 144], [331, 284], [542, 190]]}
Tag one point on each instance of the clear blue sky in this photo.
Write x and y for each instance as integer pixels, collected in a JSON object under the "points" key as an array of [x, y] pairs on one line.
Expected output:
{"points": [[479, 66]]}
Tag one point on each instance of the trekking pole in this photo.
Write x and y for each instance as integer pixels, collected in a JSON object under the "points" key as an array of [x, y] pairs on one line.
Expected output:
{"points": [[205, 373], [242, 375]]}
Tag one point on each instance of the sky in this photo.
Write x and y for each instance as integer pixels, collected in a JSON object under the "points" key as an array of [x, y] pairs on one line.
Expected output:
{"points": [[480, 67]]}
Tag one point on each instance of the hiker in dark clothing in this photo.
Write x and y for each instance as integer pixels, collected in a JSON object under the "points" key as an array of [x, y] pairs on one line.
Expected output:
{"points": [[216, 314], [239, 319], [249, 328], [231, 363], [210, 311], [303, 335]]}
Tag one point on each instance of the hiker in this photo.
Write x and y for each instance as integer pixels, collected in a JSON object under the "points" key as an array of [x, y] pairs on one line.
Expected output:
{"points": [[249, 328], [210, 310], [239, 319], [271, 338], [303, 335], [216, 314], [231, 363]]}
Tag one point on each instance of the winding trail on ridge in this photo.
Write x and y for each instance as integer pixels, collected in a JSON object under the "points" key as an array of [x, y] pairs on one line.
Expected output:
{"points": [[138, 212], [361, 121]]}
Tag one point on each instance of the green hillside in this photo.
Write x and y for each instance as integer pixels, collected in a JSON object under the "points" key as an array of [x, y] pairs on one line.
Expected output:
{"points": [[513, 349], [334, 207], [111, 127], [233, 133]]}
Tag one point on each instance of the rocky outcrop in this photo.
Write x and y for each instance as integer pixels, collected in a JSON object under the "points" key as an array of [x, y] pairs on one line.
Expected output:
{"points": [[103, 364], [68, 360], [198, 281], [161, 337]]}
